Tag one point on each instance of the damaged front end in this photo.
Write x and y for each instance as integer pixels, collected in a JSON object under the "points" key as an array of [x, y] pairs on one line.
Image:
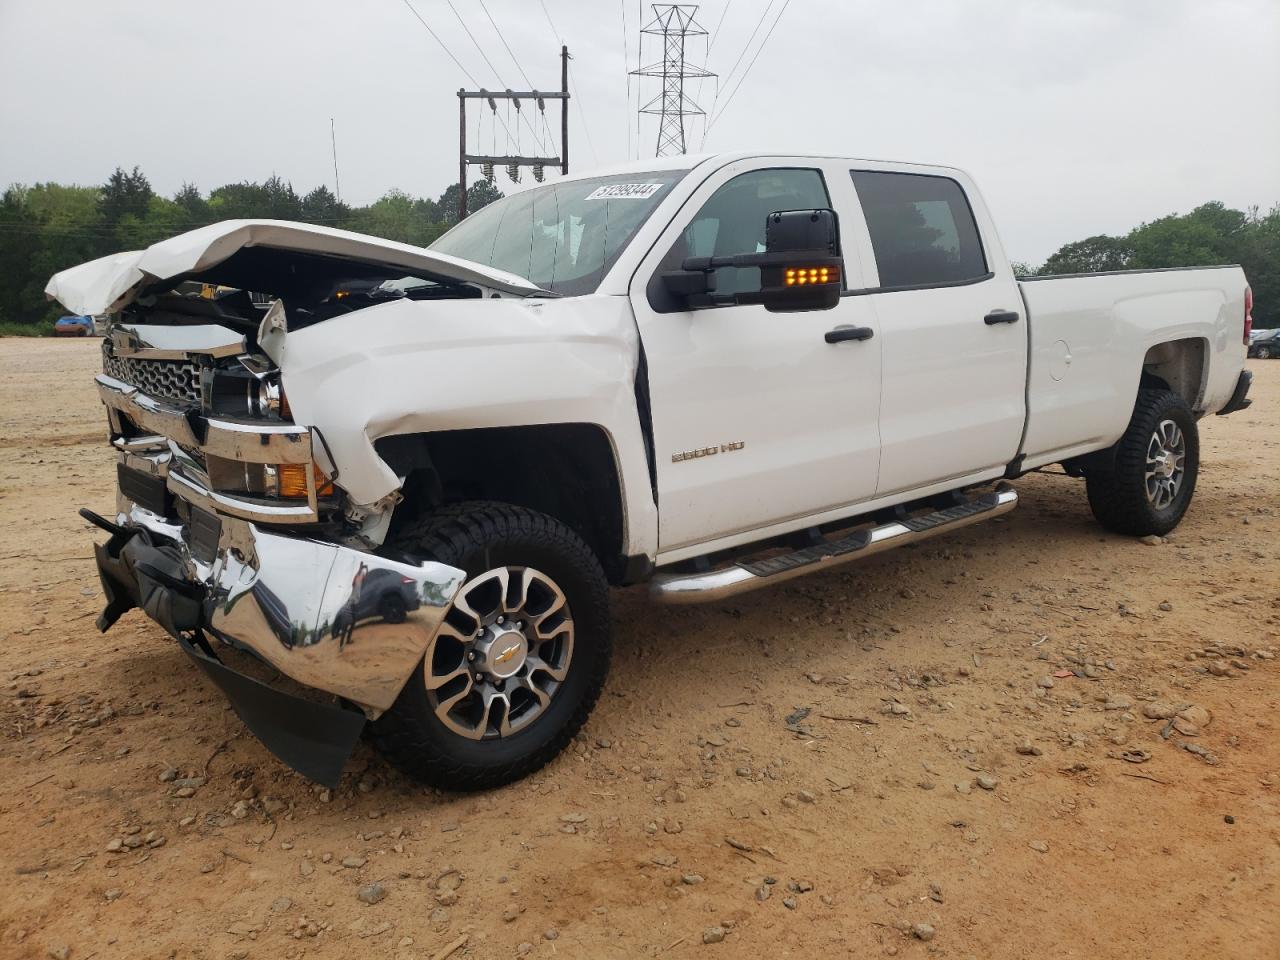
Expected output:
{"points": [[232, 529], [328, 617]]}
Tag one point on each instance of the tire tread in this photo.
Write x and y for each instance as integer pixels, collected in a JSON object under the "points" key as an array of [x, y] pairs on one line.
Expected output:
{"points": [[447, 534], [1116, 493]]}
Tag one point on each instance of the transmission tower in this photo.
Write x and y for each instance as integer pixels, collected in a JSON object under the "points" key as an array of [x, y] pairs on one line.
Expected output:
{"points": [[674, 23]]}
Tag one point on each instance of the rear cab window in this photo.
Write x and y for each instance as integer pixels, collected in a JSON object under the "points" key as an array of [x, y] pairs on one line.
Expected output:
{"points": [[923, 231]]}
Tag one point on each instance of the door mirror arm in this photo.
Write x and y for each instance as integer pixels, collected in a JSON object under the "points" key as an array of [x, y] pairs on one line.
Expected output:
{"points": [[801, 268]]}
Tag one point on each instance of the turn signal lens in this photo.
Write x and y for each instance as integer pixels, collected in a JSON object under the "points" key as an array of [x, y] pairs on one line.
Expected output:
{"points": [[292, 480], [804, 276]]}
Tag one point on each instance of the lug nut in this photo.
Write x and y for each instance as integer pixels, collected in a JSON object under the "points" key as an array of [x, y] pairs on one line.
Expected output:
{"points": [[500, 619], [471, 655], [479, 678]]}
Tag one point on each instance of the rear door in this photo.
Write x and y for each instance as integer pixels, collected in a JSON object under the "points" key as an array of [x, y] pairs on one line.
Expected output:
{"points": [[757, 420], [951, 328]]}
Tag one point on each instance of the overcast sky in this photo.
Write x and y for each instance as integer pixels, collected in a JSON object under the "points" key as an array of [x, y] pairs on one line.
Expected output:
{"points": [[1076, 116]]}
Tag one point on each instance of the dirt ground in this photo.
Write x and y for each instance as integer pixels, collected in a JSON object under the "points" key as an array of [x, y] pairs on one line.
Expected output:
{"points": [[963, 784]]}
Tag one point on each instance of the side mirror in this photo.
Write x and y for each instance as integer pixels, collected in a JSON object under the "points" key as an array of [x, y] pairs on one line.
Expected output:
{"points": [[807, 242], [801, 268]]}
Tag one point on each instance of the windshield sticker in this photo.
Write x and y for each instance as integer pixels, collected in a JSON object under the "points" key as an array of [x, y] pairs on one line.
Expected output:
{"points": [[625, 191]]}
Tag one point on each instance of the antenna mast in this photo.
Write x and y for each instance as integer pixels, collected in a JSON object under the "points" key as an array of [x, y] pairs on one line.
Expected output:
{"points": [[333, 139]]}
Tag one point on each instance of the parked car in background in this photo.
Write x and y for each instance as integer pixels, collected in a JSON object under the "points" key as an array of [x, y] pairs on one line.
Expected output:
{"points": [[1264, 344], [73, 327]]}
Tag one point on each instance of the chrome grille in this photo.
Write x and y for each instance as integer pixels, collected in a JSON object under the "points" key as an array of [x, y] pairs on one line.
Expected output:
{"points": [[174, 380]]}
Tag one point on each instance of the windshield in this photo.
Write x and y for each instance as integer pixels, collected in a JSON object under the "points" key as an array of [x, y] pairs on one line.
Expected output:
{"points": [[562, 236]]}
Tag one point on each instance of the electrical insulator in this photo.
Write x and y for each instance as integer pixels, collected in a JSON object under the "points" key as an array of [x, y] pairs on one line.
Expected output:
{"points": [[538, 173], [487, 170], [513, 171]]}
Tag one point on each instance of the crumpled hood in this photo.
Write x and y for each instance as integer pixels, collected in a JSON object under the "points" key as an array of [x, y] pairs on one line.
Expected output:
{"points": [[111, 283]]}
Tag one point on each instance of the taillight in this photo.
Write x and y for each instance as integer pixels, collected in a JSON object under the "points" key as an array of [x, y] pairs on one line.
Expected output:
{"points": [[1248, 314]]}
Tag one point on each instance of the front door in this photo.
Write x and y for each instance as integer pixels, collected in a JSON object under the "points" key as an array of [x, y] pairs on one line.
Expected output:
{"points": [[757, 420]]}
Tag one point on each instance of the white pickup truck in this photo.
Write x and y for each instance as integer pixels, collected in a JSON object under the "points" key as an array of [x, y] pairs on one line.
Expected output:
{"points": [[406, 478]]}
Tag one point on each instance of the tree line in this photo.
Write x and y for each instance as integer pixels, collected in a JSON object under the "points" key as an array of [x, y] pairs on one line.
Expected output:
{"points": [[1212, 233], [47, 227]]}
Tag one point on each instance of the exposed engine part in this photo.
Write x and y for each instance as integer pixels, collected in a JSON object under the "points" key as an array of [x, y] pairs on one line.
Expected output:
{"points": [[370, 521]]}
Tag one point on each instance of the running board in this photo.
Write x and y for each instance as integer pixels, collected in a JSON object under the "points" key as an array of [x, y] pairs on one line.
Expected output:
{"points": [[753, 574]]}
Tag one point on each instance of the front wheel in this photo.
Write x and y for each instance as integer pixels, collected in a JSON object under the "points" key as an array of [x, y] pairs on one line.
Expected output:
{"points": [[1264, 353], [1151, 478], [520, 659]]}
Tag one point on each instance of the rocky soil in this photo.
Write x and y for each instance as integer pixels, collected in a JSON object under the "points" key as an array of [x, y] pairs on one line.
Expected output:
{"points": [[1030, 739]]}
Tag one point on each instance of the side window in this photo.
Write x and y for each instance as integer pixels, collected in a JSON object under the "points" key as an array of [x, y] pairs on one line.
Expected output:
{"points": [[732, 220], [922, 229]]}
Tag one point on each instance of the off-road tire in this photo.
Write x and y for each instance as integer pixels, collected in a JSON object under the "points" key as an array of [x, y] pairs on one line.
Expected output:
{"points": [[1117, 490], [476, 537]]}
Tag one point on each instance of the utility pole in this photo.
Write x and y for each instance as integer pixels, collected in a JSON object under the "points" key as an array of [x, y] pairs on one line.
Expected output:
{"points": [[564, 110], [675, 23], [513, 162]]}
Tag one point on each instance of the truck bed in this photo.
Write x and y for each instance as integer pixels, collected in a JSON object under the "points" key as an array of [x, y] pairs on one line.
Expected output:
{"points": [[1086, 330]]}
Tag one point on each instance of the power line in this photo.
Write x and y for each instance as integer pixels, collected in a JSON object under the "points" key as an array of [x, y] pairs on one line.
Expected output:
{"points": [[479, 49], [716, 32], [443, 45], [498, 31], [524, 76], [497, 76], [625, 64], [729, 76], [558, 37], [586, 128], [729, 99]]}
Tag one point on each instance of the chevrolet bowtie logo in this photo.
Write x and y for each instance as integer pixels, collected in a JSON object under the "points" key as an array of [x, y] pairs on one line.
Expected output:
{"points": [[506, 654]]}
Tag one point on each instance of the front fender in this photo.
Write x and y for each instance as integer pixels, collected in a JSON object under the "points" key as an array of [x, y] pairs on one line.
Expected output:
{"points": [[426, 366]]}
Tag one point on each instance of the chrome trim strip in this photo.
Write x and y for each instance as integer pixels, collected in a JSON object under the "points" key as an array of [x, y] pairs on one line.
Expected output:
{"points": [[731, 581], [154, 442], [230, 439], [163, 342], [348, 623], [227, 505]]}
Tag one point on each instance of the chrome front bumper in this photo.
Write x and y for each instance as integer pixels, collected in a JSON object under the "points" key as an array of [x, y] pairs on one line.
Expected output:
{"points": [[335, 619]]}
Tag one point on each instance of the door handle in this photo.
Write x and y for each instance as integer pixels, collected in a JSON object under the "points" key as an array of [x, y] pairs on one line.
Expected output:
{"points": [[841, 334], [1000, 316]]}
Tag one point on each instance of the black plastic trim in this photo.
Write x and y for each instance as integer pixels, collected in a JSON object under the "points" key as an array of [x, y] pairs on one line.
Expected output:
{"points": [[316, 739], [867, 291], [1240, 398], [644, 410]]}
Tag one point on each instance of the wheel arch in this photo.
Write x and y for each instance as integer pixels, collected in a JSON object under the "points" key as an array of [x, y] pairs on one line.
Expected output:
{"points": [[569, 471], [1180, 366]]}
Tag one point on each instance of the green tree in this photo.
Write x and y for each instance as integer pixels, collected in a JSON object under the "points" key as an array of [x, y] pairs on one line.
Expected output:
{"points": [[192, 203], [479, 194], [124, 194], [1093, 255], [322, 207]]}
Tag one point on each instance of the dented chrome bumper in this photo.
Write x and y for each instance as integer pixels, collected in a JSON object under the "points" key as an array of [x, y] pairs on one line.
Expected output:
{"points": [[335, 619]]}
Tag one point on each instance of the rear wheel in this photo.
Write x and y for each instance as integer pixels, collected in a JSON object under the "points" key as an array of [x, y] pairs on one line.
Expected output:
{"points": [[520, 659], [1264, 353], [1151, 478]]}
